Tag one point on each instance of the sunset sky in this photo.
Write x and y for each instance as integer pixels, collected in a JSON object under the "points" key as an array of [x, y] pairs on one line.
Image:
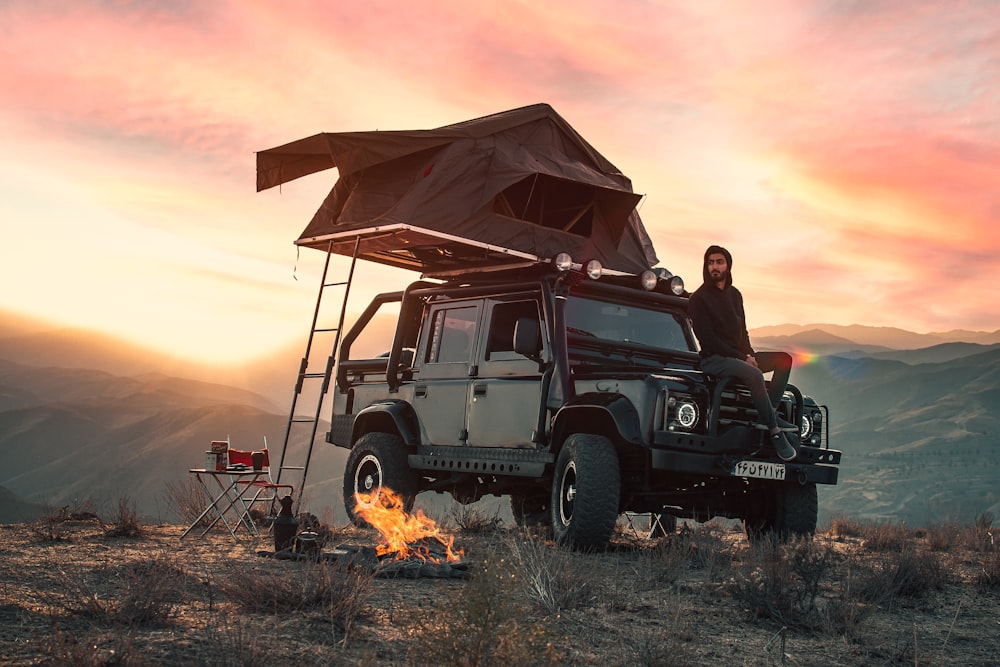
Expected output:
{"points": [[847, 152]]}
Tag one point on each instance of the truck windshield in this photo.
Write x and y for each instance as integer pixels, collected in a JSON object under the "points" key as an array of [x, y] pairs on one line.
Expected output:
{"points": [[626, 324]]}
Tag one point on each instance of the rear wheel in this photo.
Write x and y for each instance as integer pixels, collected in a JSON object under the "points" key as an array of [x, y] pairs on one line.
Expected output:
{"points": [[585, 492], [377, 462], [782, 510]]}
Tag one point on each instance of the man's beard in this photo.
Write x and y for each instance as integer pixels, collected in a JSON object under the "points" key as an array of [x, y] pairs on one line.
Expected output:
{"points": [[718, 276]]}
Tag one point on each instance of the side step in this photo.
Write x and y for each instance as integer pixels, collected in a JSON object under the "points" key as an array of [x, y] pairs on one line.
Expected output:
{"points": [[482, 460]]}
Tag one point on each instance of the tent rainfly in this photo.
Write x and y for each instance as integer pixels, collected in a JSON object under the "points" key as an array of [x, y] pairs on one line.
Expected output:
{"points": [[493, 192]]}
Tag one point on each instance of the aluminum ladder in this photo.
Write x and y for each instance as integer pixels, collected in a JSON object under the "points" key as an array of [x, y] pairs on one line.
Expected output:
{"points": [[305, 376]]}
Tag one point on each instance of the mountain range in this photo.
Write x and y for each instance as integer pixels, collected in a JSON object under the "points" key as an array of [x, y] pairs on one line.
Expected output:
{"points": [[83, 416]]}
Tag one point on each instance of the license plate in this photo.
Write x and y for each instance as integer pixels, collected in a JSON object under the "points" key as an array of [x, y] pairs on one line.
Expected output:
{"points": [[759, 470]]}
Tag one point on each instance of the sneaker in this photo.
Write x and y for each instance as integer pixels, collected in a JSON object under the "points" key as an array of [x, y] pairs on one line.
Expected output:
{"points": [[788, 427], [784, 448]]}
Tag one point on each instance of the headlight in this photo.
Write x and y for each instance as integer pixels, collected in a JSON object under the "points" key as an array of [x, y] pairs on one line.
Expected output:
{"points": [[563, 261], [649, 280], [687, 414], [593, 269], [806, 427]]}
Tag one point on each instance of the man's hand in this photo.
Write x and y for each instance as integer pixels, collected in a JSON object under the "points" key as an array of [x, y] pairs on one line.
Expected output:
{"points": [[752, 361]]}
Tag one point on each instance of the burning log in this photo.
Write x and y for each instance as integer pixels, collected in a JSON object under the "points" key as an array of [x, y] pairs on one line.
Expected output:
{"points": [[366, 558]]}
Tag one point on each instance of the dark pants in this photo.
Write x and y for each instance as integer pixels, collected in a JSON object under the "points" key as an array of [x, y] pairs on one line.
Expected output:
{"points": [[763, 400]]}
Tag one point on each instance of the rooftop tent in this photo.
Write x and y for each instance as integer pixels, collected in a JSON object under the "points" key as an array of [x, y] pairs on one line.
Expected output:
{"points": [[491, 192]]}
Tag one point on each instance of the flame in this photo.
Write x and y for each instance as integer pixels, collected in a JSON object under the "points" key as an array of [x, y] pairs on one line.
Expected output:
{"points": [[404, 533]]}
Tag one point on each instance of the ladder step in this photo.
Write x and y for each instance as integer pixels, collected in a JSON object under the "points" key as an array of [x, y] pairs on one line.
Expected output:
{"points": [[303, 420], [313, 375], [326, 330], [342, 282], [293, 467]]}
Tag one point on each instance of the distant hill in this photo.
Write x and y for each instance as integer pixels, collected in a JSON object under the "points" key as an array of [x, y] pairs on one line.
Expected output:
{"points": [[14, 509], [73, 434], [885, 337], [921, 442], [935, 354], [815, 341], [38, 343]]}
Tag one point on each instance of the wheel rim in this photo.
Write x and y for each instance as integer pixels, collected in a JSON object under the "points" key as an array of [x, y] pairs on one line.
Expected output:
{"points": [[368, 480], [567, 494]]}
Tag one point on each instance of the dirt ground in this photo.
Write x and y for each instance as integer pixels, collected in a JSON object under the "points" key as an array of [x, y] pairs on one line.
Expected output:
{"points": [[73, 592]]}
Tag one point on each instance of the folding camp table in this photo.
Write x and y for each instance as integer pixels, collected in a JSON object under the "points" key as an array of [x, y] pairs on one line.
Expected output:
{"points": [[227, 500]]}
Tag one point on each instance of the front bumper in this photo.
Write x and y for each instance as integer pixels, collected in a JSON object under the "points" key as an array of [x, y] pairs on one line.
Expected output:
{"points": [[813, 465]]}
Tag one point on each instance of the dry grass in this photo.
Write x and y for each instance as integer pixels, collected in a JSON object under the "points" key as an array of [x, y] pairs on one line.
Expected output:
{"points": [[185, 500], [132, 594], [471, 519], [876, 594], [336, 594]]}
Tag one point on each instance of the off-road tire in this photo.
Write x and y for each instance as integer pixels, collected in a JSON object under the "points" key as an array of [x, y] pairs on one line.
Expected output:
{"points": [[585, 492], [781, 510], [531, 510], [377, 461]]}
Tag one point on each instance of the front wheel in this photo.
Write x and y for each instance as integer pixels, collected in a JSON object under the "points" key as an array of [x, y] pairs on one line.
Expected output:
{"points": [[585, 492], [781, 509], [377, 462]]}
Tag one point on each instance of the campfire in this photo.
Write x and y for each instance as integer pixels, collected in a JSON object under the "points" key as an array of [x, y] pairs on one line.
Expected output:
{"points": [[404, 535], [412, 545]]}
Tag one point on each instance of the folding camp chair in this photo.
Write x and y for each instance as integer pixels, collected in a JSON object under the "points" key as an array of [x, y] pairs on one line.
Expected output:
{"points": [[261, 488]]}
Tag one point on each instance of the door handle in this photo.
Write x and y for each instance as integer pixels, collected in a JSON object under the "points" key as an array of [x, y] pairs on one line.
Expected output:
{"points": [[420, 391], [479, 390]]}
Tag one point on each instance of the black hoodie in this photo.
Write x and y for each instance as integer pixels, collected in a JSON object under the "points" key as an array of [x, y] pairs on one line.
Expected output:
{"points": [[717, 315]]}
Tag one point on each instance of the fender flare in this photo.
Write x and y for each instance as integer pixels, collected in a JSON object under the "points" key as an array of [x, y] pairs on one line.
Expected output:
{"points": [[400, 413], [618, 410]]}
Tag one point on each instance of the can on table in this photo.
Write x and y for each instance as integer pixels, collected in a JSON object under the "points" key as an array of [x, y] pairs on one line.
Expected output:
{"points": [[216, 460]]}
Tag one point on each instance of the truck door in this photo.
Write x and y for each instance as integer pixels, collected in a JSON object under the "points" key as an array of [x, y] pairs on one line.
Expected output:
{"points": [[506, 391], [441, 381]]}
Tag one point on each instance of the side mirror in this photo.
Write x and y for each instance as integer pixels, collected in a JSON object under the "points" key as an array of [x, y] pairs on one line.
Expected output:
{"points": [[527, 338]]}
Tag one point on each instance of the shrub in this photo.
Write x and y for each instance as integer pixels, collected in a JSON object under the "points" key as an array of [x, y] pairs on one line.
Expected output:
{"points": [[988, 577], [185, 499], [887, 536], [843, 526], [114, 649], [552, 578], [51, 527], [907, 574], [981, 536], [659, 642], [340, 593], [484, 623], [943, 536], [139, 593], [125, 522], [782, 581], [474, 520]]}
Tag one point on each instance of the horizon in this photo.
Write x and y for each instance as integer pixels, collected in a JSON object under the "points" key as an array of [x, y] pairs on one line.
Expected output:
{"points": [[853, 181], [40, 326]]}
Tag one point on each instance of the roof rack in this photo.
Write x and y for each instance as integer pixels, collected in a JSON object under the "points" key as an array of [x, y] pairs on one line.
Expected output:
{"points": [[435, 254]]}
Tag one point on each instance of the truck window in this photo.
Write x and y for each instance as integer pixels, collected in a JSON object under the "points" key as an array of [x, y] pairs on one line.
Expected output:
{"points": [[452, 335], [626, 323], [501, 338]]}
